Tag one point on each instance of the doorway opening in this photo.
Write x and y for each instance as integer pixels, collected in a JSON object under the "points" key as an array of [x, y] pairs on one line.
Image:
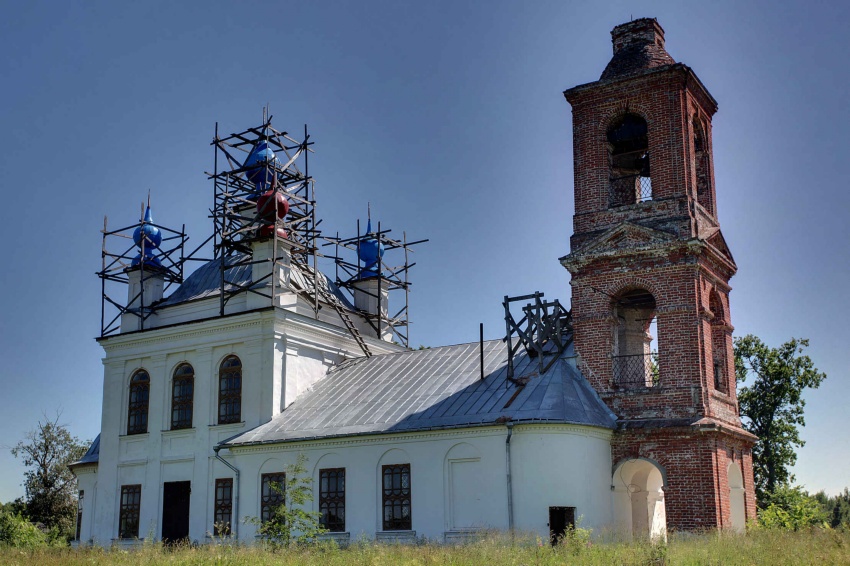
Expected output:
{"points": [[175, 511], [560, 520]]}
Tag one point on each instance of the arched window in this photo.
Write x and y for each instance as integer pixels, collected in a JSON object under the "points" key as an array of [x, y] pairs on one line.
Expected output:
{"points": [[137, 413], [719, 345], [703, 166], [182, 397], [635, 361], [230, 391], [628, 154]]}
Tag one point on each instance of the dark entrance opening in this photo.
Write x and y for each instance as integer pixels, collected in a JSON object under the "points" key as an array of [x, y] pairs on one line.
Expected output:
{"points": [[560, 519], [175, 511]]}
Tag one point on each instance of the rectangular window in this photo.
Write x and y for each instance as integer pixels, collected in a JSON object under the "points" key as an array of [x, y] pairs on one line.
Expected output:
{"points": [[128, 517], [396, 497], [332, 499], [79, 514], [272, 494], [223, 507]]}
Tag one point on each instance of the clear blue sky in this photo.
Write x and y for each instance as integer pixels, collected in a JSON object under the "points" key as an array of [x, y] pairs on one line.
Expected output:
{"points": [[449, 118]]}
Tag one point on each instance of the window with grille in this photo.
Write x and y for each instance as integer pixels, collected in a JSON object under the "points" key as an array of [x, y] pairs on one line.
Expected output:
{"points": [[332, 499], [128, 517], [230, 391], [182, 396], [272, 494], [79, 514], [396, 497], [223, 506], [137, 413]]}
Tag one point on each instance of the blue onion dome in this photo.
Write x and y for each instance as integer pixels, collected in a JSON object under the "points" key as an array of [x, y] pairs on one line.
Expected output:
{"points": [[260, 166], [369, 252], [151, 236]]}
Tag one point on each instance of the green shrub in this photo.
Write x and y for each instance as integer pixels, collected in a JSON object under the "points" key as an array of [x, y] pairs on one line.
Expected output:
{"points": [[17, 532], [794, 509]]}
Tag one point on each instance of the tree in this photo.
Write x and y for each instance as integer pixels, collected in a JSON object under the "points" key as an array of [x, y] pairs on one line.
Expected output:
{"points": [[837, 508], [772, 405], [290, 522], [50, 486]]}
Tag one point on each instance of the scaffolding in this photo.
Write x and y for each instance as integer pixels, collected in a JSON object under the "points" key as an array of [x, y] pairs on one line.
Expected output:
{"points": [[252, 170], [264, 226], [152, 257], [387, 270], [544, 331]]}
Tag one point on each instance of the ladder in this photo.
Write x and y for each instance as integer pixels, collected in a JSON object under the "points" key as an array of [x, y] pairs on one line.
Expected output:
{"points": [[337, 305]]}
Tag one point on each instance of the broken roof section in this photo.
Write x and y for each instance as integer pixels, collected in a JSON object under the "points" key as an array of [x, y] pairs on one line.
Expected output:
{"points": [[431, 389]]}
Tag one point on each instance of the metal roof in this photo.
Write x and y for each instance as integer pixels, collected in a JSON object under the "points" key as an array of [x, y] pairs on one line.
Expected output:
{"points": [[433, 389], [92, 455], [205, 281]]}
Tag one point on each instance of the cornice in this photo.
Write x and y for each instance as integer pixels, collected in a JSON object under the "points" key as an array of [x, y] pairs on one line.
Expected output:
{"points": [[421, 436]]}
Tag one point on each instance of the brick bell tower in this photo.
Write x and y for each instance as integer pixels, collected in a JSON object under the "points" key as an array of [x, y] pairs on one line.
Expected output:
{"points": [[650, 289]]}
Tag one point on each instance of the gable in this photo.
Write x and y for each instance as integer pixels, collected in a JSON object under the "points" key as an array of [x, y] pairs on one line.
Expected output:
{"points": [[626, 236]]}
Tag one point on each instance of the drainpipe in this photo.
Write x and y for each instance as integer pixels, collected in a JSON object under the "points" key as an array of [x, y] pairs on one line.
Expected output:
{"points": [[510, 490], [235, 521]]}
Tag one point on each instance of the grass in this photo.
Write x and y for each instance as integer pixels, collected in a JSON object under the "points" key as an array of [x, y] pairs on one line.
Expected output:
{"points": [[774, 547]]}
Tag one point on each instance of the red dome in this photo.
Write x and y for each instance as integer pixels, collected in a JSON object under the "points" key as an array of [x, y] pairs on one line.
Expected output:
{"points": [[266, 206]]}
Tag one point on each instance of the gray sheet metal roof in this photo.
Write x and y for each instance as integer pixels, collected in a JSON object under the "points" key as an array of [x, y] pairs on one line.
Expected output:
{"points": [[92, 455], [433, 389], [205, 281]]}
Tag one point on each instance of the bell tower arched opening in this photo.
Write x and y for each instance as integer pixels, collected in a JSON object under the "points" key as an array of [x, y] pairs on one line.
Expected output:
{"points": [[639, 508], [628, 155], [635, 359]]}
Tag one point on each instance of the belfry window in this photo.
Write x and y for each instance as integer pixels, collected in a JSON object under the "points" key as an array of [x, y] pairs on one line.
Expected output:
{"points": [[702, 166], [635, 360], [719, 344], [628, 154], [137, 410], [230, 391], [182, 397]]}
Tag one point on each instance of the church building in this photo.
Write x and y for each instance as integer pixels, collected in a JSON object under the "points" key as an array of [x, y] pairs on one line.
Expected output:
{"points": [[222, 372]]}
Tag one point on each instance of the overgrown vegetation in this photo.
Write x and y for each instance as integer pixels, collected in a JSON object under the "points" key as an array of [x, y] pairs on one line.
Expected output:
{"points": [[290, 523], [772, 406], [774, 547], [51, 498]]}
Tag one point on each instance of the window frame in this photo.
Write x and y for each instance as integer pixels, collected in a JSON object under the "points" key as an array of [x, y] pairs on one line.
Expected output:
{"points": [[182, 405], [332, 499], [392, 500], [138, 410], [129, 511], [78, 527], [223, 506], [270, 498], [230, 397]]}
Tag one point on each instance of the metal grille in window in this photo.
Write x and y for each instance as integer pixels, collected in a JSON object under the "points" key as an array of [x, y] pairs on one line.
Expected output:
{"points": [[396, 490], [636, 371], [332, 499], [230, 391], [128, 518], [223, 507], [182, 392], [137, 414], [272, 496], [630, 189]]}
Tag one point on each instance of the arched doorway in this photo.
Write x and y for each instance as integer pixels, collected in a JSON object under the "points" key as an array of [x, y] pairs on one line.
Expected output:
{"points": [[639, 510], [736, 498]]}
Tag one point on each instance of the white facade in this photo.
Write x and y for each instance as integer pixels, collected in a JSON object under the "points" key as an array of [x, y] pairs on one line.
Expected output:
{"points": [[463, 478]]}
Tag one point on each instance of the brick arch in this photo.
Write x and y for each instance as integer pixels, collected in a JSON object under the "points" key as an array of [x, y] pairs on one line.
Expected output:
{"points": [[724, 307], [630, 283], [633, 107]]}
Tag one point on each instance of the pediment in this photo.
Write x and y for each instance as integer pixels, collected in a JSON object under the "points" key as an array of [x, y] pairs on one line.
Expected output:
{"points": [[718, 242], [626, 236]]}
